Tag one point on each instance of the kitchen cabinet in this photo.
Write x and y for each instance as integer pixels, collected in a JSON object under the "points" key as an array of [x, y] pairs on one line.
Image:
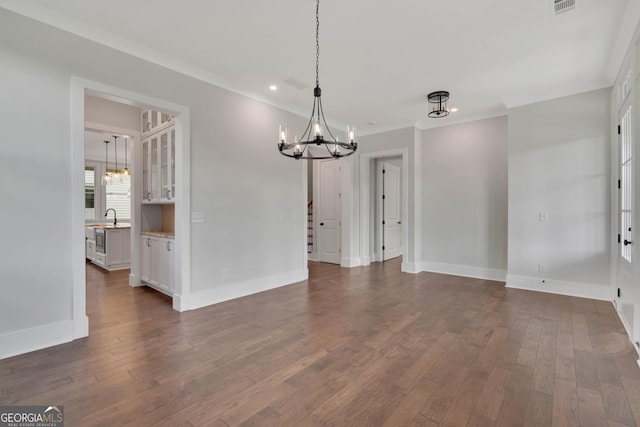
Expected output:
{"points": [[159, 167], [157, 259], [117, 250], [152, 121], [91, 249]]}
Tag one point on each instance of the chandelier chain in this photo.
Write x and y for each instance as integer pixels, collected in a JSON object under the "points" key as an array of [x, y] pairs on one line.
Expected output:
{"points": [[317, 43]]}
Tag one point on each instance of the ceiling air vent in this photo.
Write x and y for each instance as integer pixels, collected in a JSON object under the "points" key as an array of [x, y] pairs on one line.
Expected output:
{"points": [[563, 5], [297, 83]]}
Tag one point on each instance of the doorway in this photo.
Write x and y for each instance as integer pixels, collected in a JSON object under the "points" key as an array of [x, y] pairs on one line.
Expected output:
{"points": [[370, 246], [328, 211], [388, 213], [80, 88]]}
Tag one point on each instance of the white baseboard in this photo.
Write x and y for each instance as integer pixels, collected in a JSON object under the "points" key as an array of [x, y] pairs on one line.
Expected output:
{"points": [[574, 289], [240, 289], [366, 260], [134, 281], [27, 340], [81, 327], [464, 270], [178, 304], [410, 267], [350, 262]]}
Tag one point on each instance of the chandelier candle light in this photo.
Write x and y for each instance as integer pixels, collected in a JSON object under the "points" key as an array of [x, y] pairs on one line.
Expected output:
{"points": [[314, 134]]}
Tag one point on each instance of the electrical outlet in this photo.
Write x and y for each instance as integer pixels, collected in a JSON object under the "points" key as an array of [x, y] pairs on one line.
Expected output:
{"points": [[543, 216], [225, 273], [542, 268]]}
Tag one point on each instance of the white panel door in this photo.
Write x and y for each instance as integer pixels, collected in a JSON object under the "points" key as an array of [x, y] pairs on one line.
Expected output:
{"points": [[626, 297], [391, 216], [329, 230]]}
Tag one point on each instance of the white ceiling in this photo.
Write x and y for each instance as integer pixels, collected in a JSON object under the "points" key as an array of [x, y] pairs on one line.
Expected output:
{"points": [[378, 59]]}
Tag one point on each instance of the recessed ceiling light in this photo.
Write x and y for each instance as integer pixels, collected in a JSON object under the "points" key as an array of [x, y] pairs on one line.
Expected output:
{"points": [[372, 123], [273, 87], [453, 110]]}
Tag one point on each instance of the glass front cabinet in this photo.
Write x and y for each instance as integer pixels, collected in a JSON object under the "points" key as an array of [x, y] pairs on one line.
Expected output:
{"points": [[158, 167]]}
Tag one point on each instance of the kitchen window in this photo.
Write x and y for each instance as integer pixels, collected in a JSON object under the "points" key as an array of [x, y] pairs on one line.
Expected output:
{"points": [[89, 192], [118, 196], [99, 197]]}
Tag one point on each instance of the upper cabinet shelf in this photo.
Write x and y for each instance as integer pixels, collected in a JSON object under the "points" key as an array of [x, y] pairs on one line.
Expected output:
{"points": [[154, 121]]}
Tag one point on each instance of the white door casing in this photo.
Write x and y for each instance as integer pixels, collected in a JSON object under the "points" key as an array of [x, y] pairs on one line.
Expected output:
{"points": [[329, 212], [389, 211]]}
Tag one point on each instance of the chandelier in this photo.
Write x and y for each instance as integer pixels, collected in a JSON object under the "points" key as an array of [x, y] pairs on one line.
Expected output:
{"points": [[314, 134]]}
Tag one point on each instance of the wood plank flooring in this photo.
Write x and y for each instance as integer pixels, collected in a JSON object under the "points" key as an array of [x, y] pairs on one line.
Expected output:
{"points": [[367, 346]]}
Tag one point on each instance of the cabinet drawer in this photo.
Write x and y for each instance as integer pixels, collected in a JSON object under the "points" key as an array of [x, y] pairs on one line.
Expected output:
{"points": [[100, 259]]}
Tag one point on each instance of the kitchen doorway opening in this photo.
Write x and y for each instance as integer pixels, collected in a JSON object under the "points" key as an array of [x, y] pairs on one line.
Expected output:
{"points": [[180, 273]]}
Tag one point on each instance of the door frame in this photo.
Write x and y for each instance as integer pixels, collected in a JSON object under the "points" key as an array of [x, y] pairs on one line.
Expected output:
{"points": [[80, 87], [367, 246]]}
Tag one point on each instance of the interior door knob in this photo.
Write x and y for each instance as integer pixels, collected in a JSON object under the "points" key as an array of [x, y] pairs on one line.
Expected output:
{"points": [[322, 223], [399, 222], [627, 242]]}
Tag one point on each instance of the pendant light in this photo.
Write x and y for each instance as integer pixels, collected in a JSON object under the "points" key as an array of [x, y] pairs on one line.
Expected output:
{"points": [[107, 177], [314, 134], [116, 174], [126, 171]]}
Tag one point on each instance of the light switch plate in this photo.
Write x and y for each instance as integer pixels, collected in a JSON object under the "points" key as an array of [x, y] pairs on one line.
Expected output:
{"points": [[197, 216]]}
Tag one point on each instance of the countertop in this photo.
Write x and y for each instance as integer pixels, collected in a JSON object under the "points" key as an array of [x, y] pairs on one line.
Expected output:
{"points": [[123, 225], [165, 234]]}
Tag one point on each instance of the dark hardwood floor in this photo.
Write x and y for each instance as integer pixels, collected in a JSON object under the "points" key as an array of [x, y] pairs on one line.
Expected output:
{"points": [[367, 346]]}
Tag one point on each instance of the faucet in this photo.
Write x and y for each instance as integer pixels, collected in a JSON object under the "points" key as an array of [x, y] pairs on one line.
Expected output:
{"points": [[115, 219]]}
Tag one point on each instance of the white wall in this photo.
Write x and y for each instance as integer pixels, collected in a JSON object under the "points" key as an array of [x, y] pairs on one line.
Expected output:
{"points": [[35, 271], [559, 163], [464, 199], [253, 198], [110, 115]]}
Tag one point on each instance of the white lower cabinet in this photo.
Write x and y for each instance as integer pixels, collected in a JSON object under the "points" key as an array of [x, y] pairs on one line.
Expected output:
{"points": [[118, 243], [91, 249], [156, 259]]}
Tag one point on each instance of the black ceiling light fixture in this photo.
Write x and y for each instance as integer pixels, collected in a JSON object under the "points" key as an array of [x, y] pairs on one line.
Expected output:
{"points": [[314, 135], [438, 101]]}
